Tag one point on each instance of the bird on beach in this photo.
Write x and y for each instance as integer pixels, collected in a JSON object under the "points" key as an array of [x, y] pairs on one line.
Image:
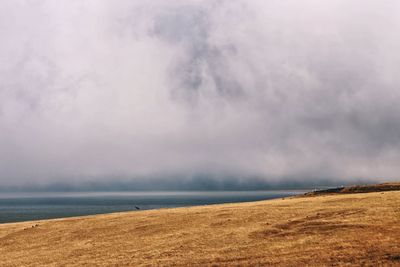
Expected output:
{"points": [[136, 207]]}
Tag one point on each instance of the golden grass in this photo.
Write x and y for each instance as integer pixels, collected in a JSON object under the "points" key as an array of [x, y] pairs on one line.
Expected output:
{"points": [[351, 229]]}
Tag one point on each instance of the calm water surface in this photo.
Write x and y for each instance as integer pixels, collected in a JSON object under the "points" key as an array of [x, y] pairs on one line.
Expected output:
{"points": [[16, 207]]}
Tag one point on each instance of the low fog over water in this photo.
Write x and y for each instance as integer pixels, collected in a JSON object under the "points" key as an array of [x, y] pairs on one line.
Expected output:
{"points": [[198, 94]]}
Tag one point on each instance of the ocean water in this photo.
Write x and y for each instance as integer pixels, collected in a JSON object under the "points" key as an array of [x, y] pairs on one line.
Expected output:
{"points": [[17, 207]]}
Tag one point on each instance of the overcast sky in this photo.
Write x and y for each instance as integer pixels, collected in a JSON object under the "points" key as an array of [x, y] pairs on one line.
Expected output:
{"points": [[281, 90]]}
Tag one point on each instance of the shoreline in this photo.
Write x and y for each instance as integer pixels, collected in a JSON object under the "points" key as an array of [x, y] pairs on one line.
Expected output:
{"points": [[318, 230], [354, 189], [37, 207]]}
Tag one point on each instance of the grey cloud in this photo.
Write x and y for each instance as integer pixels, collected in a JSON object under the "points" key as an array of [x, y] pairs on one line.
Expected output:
{"points": [[199, 92]]}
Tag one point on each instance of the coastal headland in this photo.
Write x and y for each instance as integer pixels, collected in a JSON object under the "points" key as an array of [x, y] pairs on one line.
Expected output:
{"points": [[341, 228]]}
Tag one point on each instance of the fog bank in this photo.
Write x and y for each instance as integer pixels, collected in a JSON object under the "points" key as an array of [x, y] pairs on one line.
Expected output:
{"points": [[289, 92]]}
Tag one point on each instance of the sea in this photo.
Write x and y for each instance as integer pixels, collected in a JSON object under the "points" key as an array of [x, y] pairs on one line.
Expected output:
{"points": [[18, 207]]}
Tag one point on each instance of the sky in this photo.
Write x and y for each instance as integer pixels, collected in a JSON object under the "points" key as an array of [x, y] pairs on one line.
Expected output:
{"points": [[227, 92]]}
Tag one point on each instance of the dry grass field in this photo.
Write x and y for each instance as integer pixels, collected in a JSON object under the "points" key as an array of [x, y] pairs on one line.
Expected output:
{"points": [[323, 230]]}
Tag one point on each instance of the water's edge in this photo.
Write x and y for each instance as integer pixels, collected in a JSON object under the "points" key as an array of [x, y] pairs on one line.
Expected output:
{"points": [[40, 206]]}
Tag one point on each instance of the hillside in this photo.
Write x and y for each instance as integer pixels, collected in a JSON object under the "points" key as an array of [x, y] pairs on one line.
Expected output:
{"points": [[339, 229], [357, 189]]}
